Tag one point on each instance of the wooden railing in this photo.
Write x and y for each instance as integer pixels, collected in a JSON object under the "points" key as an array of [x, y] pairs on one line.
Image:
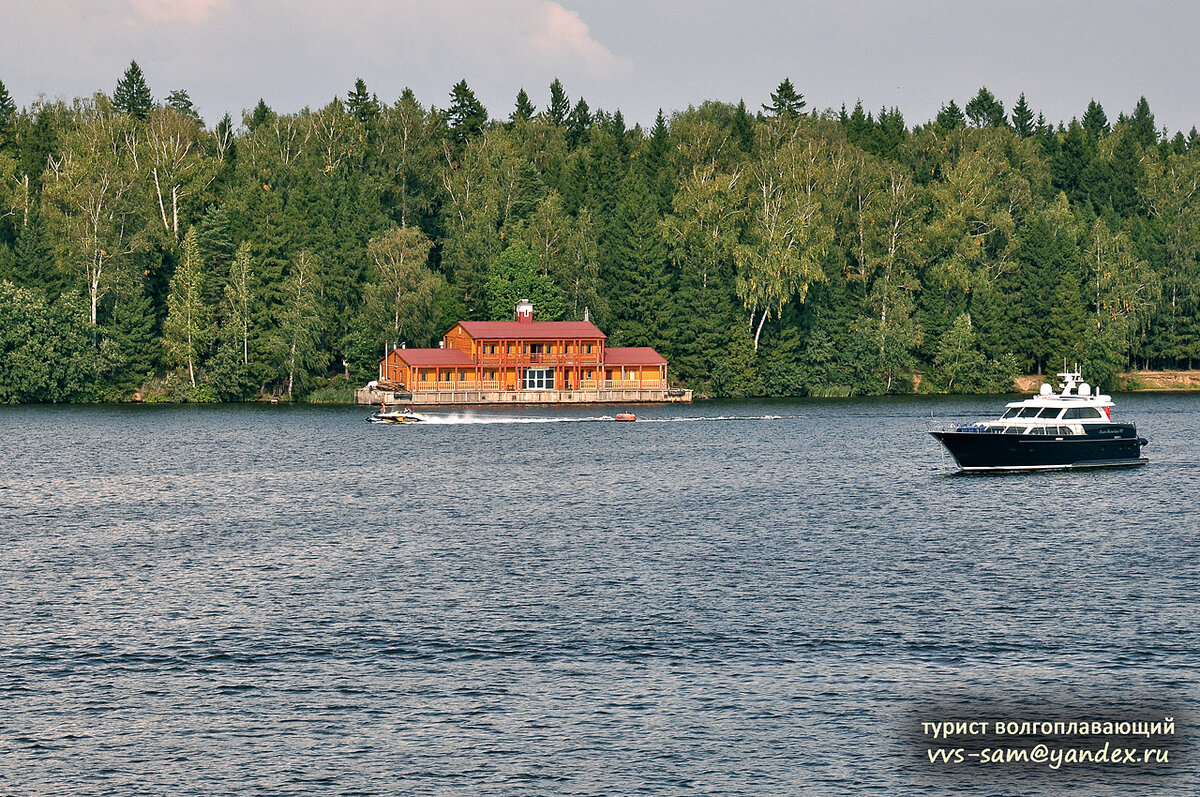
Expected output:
{"points": [[575, 358], [631, 383]]}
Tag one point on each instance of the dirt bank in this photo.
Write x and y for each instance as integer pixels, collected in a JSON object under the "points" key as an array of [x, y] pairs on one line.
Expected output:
{"points": [[1132, 381]]}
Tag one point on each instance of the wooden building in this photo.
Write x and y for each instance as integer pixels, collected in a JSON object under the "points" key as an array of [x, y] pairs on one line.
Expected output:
{"points": [[527, 360]]}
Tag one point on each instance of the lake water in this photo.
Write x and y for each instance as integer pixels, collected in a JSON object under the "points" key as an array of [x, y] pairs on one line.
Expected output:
{"points": [[740, 598]]}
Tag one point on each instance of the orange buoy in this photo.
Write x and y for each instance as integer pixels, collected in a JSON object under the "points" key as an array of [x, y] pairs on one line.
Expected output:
{"points": [[625, 416]]}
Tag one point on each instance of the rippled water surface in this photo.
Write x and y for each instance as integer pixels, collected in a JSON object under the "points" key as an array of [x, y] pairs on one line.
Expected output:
{"points": [[718, 599]]}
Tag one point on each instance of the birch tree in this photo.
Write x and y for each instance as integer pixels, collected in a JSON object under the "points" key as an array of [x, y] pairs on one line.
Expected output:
{"points": [[400, 300], [789, 235], [175, 164], [297, 348], [239, 299], [188, 329], [90, 192]]}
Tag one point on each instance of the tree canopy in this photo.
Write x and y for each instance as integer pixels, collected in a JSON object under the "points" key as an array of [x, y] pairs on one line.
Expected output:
{"points": [[776, 253]]}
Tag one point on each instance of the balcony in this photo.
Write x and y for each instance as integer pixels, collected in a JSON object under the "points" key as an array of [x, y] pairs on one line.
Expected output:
{"points": [[633, 384], [572, 359]]}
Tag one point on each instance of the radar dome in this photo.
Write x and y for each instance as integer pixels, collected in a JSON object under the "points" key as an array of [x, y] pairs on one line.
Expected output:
{"points": [[1085, 389], [1046, 390]]}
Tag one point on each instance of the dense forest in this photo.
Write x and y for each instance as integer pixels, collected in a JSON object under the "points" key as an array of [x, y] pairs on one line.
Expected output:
{"points": [[772, 250]]}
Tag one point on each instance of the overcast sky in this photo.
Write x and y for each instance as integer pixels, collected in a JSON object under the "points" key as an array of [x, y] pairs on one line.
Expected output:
{"points": [[635, 55]]}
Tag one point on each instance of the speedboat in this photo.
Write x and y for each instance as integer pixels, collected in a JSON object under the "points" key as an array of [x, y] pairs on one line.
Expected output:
{"points": [[1073, 428], [405, 415]]}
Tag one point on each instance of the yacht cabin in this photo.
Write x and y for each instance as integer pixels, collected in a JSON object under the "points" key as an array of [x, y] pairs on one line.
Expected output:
{"points": [[1048, 413]]}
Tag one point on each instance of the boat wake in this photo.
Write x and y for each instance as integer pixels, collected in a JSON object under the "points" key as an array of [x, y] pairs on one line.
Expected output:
{"points": [[467, 418]]}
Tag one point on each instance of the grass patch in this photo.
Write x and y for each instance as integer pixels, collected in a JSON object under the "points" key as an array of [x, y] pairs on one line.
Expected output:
{"points": [[337, 390], [832, 391]]}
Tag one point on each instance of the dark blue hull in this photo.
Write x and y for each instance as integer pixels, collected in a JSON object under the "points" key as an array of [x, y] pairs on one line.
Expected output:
{"points": [[1107, 445]]}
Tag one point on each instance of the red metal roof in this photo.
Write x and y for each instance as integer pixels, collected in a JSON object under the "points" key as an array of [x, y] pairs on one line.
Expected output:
{"points": [[534, 330], [433, 357], [632, 355]]}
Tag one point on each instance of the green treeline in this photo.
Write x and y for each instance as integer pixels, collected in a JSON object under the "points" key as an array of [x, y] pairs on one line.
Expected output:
{"points": [[771, 251]]}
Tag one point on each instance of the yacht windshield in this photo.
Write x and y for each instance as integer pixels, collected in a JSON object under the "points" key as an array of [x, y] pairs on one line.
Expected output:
{"points": [[1029, 412], [1049, 412], [1010, 413]]}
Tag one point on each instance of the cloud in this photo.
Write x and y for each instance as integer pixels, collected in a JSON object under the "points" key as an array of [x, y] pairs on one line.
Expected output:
{"points": [[562, 33], [194, 11]]}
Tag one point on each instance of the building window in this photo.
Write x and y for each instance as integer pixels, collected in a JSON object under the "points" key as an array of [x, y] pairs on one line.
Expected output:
{"points": [[589, 348], [462, 376], [424, 376], [539, 379], [444, 375]]}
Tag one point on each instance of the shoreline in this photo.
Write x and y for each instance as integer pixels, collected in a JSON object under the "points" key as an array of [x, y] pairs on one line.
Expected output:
{"points": [[1129, 382]]}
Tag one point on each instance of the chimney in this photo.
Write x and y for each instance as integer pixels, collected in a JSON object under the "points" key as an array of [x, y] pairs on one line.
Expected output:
{"points": [[525, 312]]}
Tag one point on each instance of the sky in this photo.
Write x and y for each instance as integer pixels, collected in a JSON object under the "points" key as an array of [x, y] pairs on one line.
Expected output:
{"points": [[633, 55]]}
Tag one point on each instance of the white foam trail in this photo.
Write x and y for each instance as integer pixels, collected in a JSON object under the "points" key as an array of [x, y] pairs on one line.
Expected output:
{"points": [[465, 418], [468, 418], [712, 418]]}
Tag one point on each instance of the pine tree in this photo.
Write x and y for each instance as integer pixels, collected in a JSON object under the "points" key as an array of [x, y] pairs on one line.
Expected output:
{"points": [[466, 115], [361, 104], [130, 333], [1046, 249], [524, 109], [985, 110], [560, 104], [786, 102], [261, 115], [8, 115], [1022, 117], [659, 174], [858, 129], [215, 238], [742, 127], [1095, 121], [182, 102], [635, 270], [132, 95], [1069, 327], [34, 265], [1069, 166], [1125, 173], [578, 124], [950, 116], [616, 126], [888, 133], [1141, 124]]}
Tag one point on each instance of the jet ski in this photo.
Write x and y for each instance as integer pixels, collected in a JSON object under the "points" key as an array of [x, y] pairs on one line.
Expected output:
{"points": [[405, 415]]}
